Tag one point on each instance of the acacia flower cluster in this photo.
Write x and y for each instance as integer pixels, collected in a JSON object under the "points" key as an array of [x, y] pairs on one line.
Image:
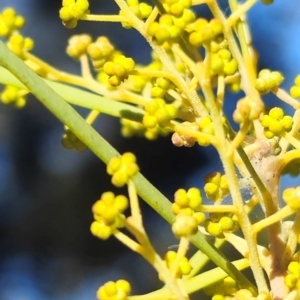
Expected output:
{"points": [[196, 63], [10, 22]]}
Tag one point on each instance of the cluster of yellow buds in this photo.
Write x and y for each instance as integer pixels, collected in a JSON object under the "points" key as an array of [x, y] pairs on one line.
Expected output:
{"points": [[158, 113], [10, 22], [164, 30], [141, 9], [72, 11], [205, 126], [108, 215], [292, 197], [216, 186], [100, 51], [160, 87], [118, 69], [292, 279], [118, 290], [276, 123], [222, 63], [295, 89], [170, 26], [187, 201], [186, 207], [218, 223], [112, 65], [14, 96], [78, 44], [223, 290], [132, 128], [228, 289], [218, 44], [19, 44], [122, 169], [268, 80], [184, 264], [176, 7], [137, 83], [203, 31]]}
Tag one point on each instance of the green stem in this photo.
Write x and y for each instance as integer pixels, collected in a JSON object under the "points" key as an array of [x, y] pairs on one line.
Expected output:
{"points": [[104, 18], [82, 98], [240, 10], [196, 283]]}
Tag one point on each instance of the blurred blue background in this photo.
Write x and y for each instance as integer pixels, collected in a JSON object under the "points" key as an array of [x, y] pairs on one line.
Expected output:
{"points": [[46, 192]]}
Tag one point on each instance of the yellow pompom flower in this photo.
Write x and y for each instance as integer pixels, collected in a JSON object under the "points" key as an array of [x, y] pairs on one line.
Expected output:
{"points": [[268, 80], [100, 52], [14, 96], [122, 169], [216, 186], [158, 113], [10, 22], [276, 123], [213, 228], [292, 197], [118, 290], [184, 264], [295, 89], [202, 32], [190, 198], [118, 69], [291, 279], [19, 44], [108, 214], [72, 11], [77, 45]]}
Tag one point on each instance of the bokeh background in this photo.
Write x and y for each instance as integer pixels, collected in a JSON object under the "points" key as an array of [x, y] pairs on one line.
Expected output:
{"points": [[46, 191]]}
